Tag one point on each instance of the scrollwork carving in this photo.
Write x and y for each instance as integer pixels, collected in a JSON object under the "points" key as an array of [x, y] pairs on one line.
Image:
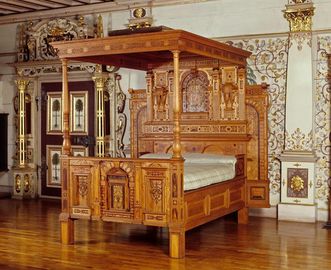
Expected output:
{"points": [[156, 190]]}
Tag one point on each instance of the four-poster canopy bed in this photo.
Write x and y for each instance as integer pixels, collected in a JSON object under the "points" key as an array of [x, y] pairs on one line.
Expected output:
{"points": [[195, 101]]}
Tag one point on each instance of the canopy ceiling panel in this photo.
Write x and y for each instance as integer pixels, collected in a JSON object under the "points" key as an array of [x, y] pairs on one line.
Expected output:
{"points": [[146, 51]]}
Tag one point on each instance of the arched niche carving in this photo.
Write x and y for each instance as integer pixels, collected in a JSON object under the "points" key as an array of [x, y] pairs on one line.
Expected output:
{"points": [[195, 90], [118, 189]]}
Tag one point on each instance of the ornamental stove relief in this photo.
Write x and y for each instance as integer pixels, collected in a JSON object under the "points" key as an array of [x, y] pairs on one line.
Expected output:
{"points": [[35, 38]]}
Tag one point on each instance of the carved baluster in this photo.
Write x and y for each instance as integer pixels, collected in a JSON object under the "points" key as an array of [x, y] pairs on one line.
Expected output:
{"points": [[149, 87], [241, 90], [170, 94], [66, 148]]}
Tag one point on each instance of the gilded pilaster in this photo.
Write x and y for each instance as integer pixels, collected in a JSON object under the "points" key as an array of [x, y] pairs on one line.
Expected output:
{"points": [[100, 79], [23, 175], [21, 84]]}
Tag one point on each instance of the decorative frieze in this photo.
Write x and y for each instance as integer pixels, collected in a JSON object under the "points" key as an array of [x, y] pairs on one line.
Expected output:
{"points": [[235, 128]]}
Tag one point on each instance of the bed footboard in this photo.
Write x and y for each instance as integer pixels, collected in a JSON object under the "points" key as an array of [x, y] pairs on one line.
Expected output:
{"points": [[139, 191], [144, 191]]}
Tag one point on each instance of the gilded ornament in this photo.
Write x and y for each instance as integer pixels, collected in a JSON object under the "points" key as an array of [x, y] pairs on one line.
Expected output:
{"points": [[18, 183], [118, 197], [139, 13], [297, 183], [299, 18], [27, 184]]}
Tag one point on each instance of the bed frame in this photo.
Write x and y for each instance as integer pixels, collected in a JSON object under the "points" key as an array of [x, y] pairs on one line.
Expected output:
{"points": [[195, 101]]}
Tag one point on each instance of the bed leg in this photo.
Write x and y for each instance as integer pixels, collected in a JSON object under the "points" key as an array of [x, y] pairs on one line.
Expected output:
{"points": [[67, 231], [243, 215], [176, 243]]}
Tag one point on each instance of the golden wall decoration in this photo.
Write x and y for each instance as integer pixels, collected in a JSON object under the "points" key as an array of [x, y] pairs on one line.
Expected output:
{"points": [[297, 183], [299, 141], [18, 183], [322, 121]]}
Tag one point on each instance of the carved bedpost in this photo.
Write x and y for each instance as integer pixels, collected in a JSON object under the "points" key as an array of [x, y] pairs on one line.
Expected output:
{"points": [[66, 148], [176, 108], [67, 224], [170, 94], [176, 227]]}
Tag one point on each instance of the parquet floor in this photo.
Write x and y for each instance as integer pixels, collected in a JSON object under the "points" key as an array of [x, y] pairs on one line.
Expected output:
{"points": [[29, 239]]}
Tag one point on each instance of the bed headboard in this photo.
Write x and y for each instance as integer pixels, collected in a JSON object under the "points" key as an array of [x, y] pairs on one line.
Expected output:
{"points": [[220, 114], [213, 117]]}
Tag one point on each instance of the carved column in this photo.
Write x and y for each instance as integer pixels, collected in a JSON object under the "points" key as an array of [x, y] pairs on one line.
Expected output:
{"points": [[66, 148], [298, 158], [176, 108], [99, 82]]}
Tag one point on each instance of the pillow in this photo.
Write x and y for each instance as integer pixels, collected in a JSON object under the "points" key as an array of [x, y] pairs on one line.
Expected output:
{"points": [[157, 155], [195, 158], [208, 158]]}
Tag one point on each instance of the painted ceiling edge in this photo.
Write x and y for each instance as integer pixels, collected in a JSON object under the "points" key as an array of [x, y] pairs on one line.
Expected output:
{"points": [[88, 9]]}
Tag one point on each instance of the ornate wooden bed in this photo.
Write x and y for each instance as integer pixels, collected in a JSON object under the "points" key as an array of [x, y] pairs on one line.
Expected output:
{"points": [[196, 100]]}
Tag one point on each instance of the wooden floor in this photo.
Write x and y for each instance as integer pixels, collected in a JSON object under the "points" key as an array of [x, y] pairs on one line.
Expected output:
{"points": [[29, 239]]}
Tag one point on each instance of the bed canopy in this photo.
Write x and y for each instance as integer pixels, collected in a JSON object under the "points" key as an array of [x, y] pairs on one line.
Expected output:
{"points": [[146, 51]]}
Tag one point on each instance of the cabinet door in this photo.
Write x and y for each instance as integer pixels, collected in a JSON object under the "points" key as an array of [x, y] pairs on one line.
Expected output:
{"points": [[81, 129]]}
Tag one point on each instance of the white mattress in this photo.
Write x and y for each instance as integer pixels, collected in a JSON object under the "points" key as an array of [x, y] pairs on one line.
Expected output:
{"points": [[201, 170], [201, 175]]}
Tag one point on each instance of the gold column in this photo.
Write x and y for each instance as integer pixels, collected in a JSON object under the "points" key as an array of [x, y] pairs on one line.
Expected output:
{"points": [[22, 84], [99, 82], [66, 148], [176, 148]]}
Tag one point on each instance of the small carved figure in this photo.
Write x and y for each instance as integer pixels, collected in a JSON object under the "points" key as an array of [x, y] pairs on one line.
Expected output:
{"points": [[235, 107], [222, 106], [31, 48]]}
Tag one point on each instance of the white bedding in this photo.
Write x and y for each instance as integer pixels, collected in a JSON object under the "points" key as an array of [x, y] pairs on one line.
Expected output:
{"points": [[201, 170]]}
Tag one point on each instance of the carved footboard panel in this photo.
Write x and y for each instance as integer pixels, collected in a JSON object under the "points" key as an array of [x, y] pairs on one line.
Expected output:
{"points": [[122, 190]]}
